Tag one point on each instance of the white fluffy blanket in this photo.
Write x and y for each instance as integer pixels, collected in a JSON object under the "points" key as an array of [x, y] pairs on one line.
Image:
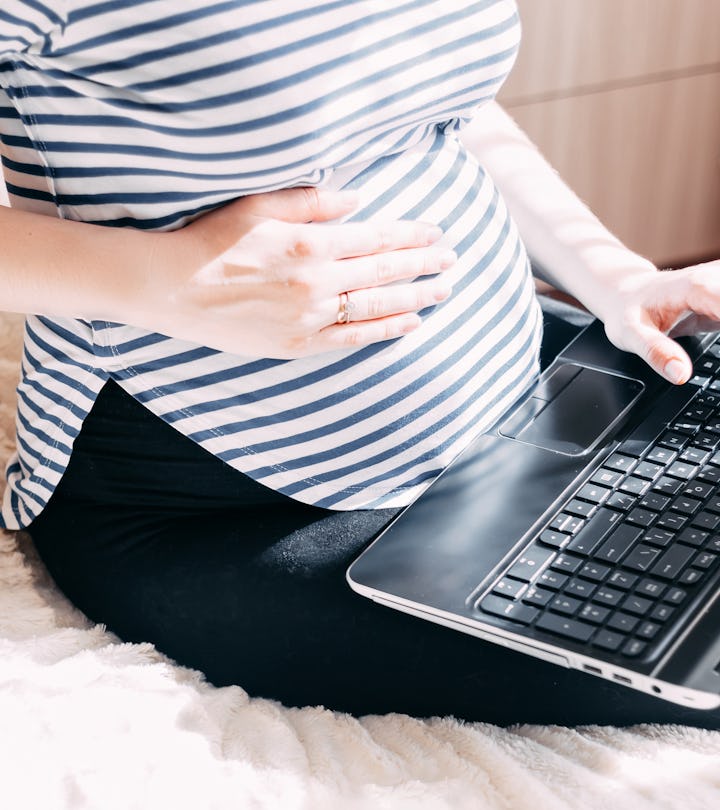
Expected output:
{"points": [[88, 722]]}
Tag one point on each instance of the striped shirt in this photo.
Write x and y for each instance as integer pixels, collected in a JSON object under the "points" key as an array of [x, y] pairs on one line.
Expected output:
{"points": [[145, 114]]}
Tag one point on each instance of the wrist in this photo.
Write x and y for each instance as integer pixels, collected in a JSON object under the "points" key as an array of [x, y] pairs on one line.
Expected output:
{"points": [[610, 272]]}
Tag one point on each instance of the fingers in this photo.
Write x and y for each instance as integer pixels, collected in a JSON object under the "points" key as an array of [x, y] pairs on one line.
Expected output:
{"points": [[661, 353], [362, 333], [303, 204], [371, 304], [354, 239], [387, 268]]}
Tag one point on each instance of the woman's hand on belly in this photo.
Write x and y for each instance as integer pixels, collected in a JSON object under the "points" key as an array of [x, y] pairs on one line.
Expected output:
{"points": [[262, 277]]}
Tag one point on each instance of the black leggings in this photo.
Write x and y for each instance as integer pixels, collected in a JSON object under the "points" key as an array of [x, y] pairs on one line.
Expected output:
{"points": [[154, 537]]}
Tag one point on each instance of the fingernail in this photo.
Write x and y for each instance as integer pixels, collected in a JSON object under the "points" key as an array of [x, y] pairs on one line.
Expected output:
{"points": [[442, 292], [447, 259], [433, 234], [675, 371], [410, 324]]}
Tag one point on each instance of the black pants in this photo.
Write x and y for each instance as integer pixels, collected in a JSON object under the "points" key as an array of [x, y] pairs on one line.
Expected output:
{"points": [[160, 541]]}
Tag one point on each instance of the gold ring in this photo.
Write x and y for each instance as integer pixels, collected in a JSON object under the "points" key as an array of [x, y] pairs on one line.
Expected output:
{"points": [[345, 309]]}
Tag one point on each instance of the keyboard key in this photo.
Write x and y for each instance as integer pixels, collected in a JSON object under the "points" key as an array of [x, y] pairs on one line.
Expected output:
{"points": [[693, 537], [661, 613], [622, 580], [675, 596], [551, 579], [685, 505], [538, 597], [651, 588], [706, 521], [706, 440], [648, 630], [638, 605], [555, 539], [672, 440], [562, 626], [618, 544], [682, 470], [709, 474], [691, 576], [509, 587], [623, 622], [607, 596], [661, 455], [713, 504], [530, 562], [698, 489], [593, 613], [707, 365], [673, 561], [515, 611], [566, 563], [580, 588], [646, 469], [658, 537], [641, 558], [672, 521], [621, 500], [704, 560], [695, 455], [635, 486], [594, 571], [593, 493], [669, 486], [569, 524], [618, 461], [580, 508], [595, 529], [705, 400], [713, 545], [654, 501], [608, 640], [565, 604], [634, 648], [696, 413], [606, 478], [641, 517], [686, 426]]}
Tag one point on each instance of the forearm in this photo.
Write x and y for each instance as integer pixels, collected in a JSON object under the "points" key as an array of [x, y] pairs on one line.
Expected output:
{"points": [[574, 251], [57, 267]]}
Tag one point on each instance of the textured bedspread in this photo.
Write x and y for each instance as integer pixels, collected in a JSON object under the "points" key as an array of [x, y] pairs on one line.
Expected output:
{"points": [[88, 722]]}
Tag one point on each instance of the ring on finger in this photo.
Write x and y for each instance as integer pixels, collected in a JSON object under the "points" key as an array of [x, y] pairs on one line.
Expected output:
{"points": [[346, 308]]}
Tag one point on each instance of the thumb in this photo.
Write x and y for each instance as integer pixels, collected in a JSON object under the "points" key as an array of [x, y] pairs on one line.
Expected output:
{"points": [[660, 352], [307, 204]]}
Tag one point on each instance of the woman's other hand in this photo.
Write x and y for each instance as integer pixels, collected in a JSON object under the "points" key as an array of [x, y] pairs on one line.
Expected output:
{"points": [[651, 308], [261, 277]]}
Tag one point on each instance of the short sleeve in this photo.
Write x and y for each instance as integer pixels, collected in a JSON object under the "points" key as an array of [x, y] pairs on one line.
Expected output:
{"points": [[25, 24]]}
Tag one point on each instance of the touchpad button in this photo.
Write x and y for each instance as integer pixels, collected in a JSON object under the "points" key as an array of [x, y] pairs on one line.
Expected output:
{"points": [[581, 413]]}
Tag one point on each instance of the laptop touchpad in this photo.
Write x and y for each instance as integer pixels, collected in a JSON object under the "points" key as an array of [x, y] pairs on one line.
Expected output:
{"points": [[573, 409]]}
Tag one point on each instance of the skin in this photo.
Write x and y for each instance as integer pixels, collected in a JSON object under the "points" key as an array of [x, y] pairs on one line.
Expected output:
{"points": [[262, 276], [642, 308]]}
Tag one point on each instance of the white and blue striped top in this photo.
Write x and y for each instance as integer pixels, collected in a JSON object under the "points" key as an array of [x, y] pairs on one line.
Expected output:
{"points": [[144, 114]]}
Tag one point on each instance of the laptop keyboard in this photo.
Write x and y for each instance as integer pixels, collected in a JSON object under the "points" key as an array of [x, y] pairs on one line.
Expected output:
{"points": [[628, 550]]}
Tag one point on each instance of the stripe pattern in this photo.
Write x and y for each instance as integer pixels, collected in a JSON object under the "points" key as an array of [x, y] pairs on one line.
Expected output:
{"points": [[146, 114]]}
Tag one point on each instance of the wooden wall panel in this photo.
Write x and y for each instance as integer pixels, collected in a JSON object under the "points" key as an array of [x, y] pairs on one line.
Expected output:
{"points": [[573, 44], [624, 100]]}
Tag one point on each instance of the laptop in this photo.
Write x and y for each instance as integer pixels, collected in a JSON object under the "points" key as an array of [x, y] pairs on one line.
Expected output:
{"points": [[582, 529]]}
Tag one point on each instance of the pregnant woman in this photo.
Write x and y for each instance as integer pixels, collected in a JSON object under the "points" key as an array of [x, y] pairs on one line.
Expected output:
{"points": [[274, 292]]}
